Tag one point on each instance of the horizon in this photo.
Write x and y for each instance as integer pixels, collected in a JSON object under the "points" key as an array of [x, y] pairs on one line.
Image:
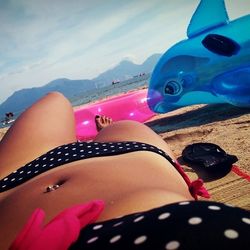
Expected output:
{"points": [[43, 41]]}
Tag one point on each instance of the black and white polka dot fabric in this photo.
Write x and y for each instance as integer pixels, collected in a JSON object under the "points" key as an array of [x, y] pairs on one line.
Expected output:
{"points": [[73, 152], [186, 225]]}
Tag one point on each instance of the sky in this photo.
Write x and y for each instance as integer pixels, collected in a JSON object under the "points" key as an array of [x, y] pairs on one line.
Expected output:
{"points": [[43, 40]]}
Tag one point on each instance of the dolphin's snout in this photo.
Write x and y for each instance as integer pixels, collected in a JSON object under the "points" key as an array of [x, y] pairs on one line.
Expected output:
{"points": [[156, 102], [154, 98], [160, 108]]}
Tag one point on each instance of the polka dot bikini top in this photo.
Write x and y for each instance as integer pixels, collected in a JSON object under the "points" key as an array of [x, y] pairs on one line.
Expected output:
{"points": [[83, 150]]}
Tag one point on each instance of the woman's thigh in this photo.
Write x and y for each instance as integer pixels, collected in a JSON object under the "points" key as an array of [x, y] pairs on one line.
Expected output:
{"points": [[132, 131], [46, 124]]}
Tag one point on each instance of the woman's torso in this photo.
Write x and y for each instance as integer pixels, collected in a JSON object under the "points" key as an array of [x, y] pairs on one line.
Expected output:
{"points": [[127, 183]]}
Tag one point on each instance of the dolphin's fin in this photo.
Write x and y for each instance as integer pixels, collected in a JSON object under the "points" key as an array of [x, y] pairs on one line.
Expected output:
{"points": [[208, 15]]}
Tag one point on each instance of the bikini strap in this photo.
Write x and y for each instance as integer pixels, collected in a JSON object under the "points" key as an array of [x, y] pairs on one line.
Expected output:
{"points": [[196, 188]]}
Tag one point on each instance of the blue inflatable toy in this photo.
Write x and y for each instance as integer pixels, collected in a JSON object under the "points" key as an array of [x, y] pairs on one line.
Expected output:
{"points": [[211, 66]]}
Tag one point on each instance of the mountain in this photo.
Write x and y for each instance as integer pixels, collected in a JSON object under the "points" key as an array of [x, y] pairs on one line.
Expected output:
{"points": [[23, 98], [126, 70]]}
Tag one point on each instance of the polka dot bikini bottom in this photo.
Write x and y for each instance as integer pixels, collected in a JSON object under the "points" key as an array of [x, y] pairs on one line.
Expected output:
{"points": [[185, 225], [73, 152]]}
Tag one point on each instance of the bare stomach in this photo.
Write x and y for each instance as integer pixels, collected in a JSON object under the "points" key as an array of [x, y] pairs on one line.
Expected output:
{"points": [[127, 183]]}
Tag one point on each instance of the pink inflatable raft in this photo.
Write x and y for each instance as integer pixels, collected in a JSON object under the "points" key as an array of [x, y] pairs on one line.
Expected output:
{"points": [[130, 106]]}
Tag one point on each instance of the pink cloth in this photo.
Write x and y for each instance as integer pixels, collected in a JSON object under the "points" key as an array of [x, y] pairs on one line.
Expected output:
{"points": [[60, 232]]}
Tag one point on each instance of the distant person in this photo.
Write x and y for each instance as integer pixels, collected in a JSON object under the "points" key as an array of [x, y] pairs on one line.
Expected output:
{"points": [[9, 115], [8, 118], [127, 165]]}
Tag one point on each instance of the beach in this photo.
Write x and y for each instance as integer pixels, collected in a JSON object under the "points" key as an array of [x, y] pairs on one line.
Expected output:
{"points": [[2, 132], [222, 124]]}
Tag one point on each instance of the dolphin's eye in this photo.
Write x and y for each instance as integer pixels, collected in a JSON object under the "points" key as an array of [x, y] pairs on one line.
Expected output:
{"points": [[172, 88]]}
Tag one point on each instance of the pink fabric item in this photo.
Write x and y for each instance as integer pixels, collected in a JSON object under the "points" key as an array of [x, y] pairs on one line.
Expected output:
{"points": [[60, 232], [129, 106]]}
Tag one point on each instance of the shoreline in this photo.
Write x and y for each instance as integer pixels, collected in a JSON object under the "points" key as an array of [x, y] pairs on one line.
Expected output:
{"points": [[106, 98]]}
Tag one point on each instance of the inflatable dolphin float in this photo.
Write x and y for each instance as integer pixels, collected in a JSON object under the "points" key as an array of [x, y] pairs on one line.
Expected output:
{"points": [[211, 66]]}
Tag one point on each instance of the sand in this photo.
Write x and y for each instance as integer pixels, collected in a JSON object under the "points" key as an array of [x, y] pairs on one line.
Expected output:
{"points": [[2, 132], [224, 125]]}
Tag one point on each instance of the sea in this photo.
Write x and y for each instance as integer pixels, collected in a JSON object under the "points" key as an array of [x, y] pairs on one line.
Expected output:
{"points": [[140, 81]]}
